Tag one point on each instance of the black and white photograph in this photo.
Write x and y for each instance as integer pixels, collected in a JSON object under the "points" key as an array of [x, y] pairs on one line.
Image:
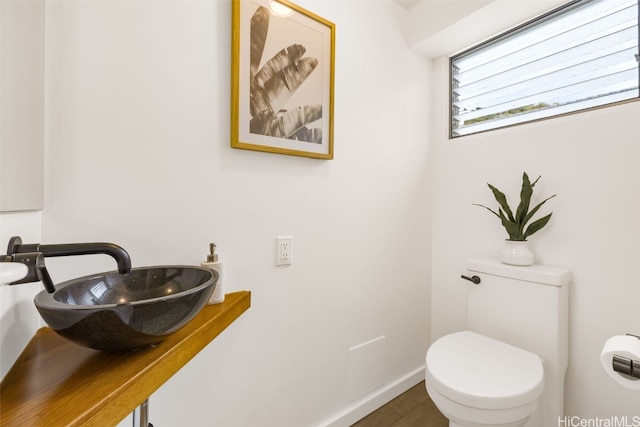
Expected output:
{"points": [[282, 95]]}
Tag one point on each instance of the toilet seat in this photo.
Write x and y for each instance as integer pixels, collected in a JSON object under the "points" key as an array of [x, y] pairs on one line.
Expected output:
{"points": [[480, 372]]}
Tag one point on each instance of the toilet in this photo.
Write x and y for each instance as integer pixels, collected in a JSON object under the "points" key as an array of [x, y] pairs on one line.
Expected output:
{"points": [[507, 369]]}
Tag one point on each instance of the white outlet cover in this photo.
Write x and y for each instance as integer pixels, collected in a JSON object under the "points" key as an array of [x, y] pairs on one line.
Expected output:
{"points": [[281, 258]]}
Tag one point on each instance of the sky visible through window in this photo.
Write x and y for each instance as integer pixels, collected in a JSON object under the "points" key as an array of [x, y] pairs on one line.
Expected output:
{"points": [[577, 58]]}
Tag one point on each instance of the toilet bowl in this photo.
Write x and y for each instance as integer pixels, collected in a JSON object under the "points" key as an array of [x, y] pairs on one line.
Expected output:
{"points": [[507, 368], [478, 381]]}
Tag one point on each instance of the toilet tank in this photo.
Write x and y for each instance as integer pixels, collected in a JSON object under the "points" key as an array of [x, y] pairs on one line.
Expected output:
{"points": [[527, 307], [524, 306]]}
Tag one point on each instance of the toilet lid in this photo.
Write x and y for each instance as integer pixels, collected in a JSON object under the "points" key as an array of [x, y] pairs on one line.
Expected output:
{"points": [[481, 372]]}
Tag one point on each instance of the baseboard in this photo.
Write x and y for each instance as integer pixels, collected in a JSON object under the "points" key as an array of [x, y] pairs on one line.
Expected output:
{"points": [[374, 400]]}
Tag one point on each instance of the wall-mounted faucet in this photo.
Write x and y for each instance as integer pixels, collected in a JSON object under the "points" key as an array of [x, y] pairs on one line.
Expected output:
{"points": [[33, 255]]}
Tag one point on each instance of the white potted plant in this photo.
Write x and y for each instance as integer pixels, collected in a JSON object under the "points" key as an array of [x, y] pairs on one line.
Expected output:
{"points": [[516, 251]]}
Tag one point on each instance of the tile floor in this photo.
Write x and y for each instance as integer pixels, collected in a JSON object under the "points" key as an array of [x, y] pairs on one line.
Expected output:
{"points": [[413, 408]]}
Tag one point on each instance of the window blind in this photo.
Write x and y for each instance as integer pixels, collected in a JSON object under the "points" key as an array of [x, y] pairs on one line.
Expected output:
{"points": [[577, 57]]}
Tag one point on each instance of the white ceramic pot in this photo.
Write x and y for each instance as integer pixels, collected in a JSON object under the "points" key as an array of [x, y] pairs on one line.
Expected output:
{"points": [[516, 252]]}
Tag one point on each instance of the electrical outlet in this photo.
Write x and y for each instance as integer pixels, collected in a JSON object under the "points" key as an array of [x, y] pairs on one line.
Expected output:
{"points": [[284, 250]]}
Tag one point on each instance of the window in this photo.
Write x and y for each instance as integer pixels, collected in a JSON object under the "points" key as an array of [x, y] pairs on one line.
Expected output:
{"points": [[582, 55]]}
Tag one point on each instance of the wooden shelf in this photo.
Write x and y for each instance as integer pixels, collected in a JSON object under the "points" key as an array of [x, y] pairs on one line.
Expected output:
{"points": [[57, 383]]}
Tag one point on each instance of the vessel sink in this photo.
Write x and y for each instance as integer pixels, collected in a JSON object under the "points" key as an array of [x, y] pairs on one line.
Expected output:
{"points": [[121, 312]]}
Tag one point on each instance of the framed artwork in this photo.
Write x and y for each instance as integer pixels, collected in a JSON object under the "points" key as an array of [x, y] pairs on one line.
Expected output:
{"points": [[282, 79]]}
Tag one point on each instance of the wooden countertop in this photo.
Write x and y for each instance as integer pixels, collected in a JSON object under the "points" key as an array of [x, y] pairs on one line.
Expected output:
{"points": [[57, 383]]}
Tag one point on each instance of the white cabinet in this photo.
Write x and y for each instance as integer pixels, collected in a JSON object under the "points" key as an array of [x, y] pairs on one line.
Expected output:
{"points": [[21, 105]]}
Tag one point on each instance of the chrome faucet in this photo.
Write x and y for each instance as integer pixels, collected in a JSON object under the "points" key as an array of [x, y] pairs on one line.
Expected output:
{"points": [[33, 255]]}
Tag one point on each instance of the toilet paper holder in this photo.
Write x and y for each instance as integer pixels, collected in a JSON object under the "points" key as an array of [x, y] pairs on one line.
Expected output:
{"points": [[624, 365]]}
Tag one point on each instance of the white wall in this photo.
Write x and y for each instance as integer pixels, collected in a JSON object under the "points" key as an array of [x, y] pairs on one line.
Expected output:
{"points": [[592, 161], [445, 27], [137, 136]]}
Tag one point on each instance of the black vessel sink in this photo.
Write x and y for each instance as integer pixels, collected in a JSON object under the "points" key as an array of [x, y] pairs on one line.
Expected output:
{"points": [[121, 312]]}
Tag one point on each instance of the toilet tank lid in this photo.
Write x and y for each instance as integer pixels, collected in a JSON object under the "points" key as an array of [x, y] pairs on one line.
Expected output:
{"points": [[543, 274]]}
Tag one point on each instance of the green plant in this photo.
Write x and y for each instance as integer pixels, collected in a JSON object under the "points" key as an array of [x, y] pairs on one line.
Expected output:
{"points": [[515, 224]]}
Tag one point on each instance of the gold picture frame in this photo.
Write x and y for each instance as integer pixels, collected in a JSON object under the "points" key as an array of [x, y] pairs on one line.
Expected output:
{"points": [[282, 79]]}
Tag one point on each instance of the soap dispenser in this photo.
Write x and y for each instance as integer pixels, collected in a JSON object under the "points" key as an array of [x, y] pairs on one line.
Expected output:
{"points": [[212, 262]]}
